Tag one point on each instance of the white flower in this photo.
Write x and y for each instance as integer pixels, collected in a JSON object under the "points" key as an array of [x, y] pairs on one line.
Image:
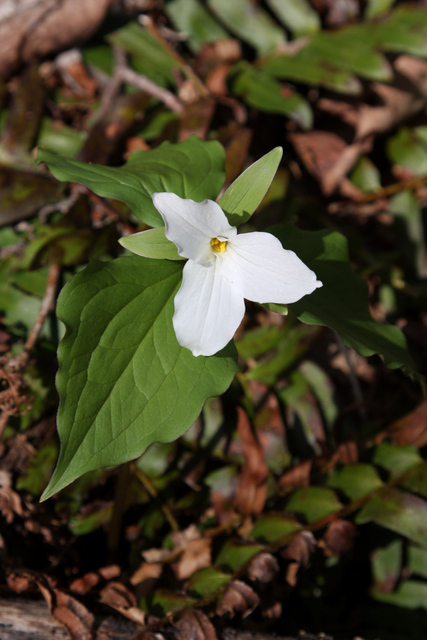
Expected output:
{"points": [[222, 269]]}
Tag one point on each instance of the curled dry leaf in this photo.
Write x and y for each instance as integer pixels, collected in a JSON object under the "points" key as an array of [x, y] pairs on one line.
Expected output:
{"points": [[238, 598], [296, 477], [69, 612], [252, 487], [195, 625], [10, 504], [299, 552], [196, 555], [264, 568], [117, 596], [338, 538], [411, 428]]}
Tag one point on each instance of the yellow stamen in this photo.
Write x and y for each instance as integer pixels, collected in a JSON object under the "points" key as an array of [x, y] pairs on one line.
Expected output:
{"points": [[218, 245]]}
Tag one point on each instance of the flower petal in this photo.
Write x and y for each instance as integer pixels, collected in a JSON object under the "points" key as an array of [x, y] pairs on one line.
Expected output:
{"points": [[267, 272], [207, 309], [191, 225]]}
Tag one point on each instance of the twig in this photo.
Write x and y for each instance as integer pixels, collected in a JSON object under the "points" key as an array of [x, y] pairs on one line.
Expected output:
{"points": [[118, 511], [153, 493], [384, 192], [17, 365], [123, 74]]}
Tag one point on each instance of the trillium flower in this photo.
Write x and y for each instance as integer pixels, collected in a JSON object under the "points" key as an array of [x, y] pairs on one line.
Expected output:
{"points": [[223, 269]]}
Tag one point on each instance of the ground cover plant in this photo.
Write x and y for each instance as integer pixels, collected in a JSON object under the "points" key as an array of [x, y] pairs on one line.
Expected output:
{"points": [[169, 453]]}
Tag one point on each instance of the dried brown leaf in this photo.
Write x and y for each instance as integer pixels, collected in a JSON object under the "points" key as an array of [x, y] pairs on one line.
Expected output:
{"points": [[301, 548], [84, 584], [195, 556], [338, 538], [411, 428], [252, 487], [296, 477], [238, 598], [118, 596], [195, 625], [69, 612], [264, 568]]}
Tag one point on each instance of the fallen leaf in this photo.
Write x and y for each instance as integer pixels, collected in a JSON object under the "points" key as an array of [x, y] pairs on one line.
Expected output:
{"points": [[252, 486], [299, 552], [238, 598], [196, 555], [118, 596], [68, 611], [338, 538], [195, 625], [264, 568]]}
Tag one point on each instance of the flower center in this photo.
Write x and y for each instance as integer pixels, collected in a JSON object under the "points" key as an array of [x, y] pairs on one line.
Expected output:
{"points": [[218, 245]]}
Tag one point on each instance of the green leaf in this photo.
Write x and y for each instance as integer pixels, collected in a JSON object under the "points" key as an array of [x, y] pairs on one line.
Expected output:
{"points": [[356, 480], [314, 503], [124, 381], [260, 90], [365, 175], [206, 581], [253, 25], [396, 458], [189, 16], [151, 244], [309, 67], [407, 150], [149, 56], [297, 15], [342, 302], [245, 194], [398, 511], [410, 594], [273, 527], [191, 169], [375, 8], [233, 555]]}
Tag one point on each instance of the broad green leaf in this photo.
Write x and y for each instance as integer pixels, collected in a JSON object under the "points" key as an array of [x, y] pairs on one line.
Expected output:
{"points": [[404, 31], [408, 215], [365, 175], [257, 342], [294, 343], [38, 472], [314, 503], [245, 194], [248, 21], [310, 68], [60, 139], [124, 381], [356, 480], [407, 150], [191, 169], [417, 481], [258, 89], [417, 560], [387, 564], [342, 301], [376, 8], [323, 388], [396, 458], [148, 54], [272, 527], [191, 17], [398, 511], [297, 15], [345, 49], [234, 555], [151, 244], [162, 602], [206, 581], [410, 594]]}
